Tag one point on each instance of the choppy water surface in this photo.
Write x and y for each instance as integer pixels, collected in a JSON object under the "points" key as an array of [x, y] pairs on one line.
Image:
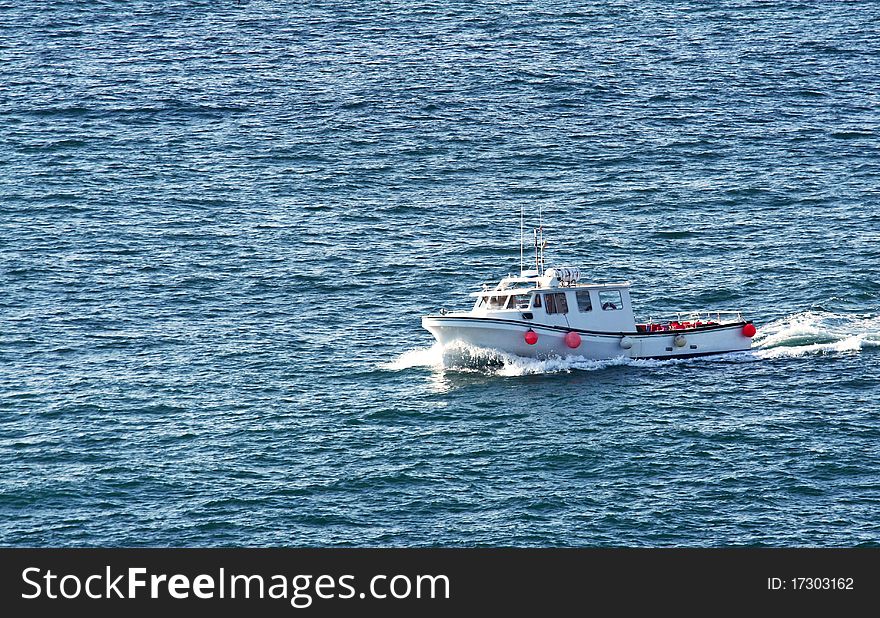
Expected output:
{"points": [[220, 223]]}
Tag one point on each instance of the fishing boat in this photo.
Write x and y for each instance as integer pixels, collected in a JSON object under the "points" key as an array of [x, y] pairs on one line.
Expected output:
{"points": [[545, 313]]}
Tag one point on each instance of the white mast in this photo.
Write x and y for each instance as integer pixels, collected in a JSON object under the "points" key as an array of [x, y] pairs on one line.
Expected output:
{"points": [[521, 223], [539, 242]]}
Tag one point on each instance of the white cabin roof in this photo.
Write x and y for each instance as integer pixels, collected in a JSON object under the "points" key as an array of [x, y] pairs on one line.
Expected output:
{"points": [[511, 285]]}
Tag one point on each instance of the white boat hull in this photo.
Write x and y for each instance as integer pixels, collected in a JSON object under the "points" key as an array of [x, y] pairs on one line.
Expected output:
{"points": [[509, 336]]}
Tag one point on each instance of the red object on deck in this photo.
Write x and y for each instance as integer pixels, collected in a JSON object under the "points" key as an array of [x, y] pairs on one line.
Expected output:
{"points": [[531, 337], [749, 330], [572, 339]]}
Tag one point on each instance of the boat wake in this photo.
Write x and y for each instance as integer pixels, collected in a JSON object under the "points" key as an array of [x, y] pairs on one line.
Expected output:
{"points": [[817, 332], [799, 334], [464, 357]]}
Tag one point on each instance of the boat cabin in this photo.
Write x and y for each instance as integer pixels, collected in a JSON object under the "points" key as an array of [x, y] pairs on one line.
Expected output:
{"points": [[557, 299]]}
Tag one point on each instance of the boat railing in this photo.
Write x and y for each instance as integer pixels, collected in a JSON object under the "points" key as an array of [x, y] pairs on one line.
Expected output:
{"points": [[718, 316]]}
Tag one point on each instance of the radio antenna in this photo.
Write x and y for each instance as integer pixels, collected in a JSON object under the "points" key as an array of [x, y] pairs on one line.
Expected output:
{"points": [[521, 224], [539, 242]]}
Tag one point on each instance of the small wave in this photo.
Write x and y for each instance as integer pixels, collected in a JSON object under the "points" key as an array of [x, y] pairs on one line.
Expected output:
{"points": [[817, 332], [418, 357]]}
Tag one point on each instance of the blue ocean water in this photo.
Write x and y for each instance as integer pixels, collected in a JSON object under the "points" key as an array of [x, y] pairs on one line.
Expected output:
{"points": [[220, 223]]}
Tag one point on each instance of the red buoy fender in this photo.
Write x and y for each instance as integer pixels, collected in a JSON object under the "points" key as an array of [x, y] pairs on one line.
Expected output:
{"points": [[531, 337], [749, 330], [572, 339]]}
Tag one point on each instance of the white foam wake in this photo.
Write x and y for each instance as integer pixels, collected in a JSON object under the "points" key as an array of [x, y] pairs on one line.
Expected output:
{"points": [[417, 357], [817, 332], [464, 357], [795, 335], [468, 358]]}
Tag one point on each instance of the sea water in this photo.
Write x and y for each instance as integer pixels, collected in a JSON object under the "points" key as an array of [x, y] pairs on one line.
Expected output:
{"points": [[221, 222]]}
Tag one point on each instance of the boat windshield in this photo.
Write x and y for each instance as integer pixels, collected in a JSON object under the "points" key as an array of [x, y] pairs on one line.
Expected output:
{"points": [[519, 301], [497, 302], [506, 301]]}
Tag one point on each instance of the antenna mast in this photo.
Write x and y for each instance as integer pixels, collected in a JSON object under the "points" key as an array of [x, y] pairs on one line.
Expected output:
{"points": [[521, 223], [539, 242]]}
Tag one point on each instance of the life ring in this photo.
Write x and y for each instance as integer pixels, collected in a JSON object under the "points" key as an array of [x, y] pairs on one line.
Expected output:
{"points": [[608, 306]]}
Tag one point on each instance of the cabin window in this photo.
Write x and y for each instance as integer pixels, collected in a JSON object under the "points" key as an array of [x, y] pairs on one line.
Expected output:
{"points": [[519, 301], [584, 302], [556, 303], [561, 303], [610, 300], [482, 301], [497, 302], [537, 301]]}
